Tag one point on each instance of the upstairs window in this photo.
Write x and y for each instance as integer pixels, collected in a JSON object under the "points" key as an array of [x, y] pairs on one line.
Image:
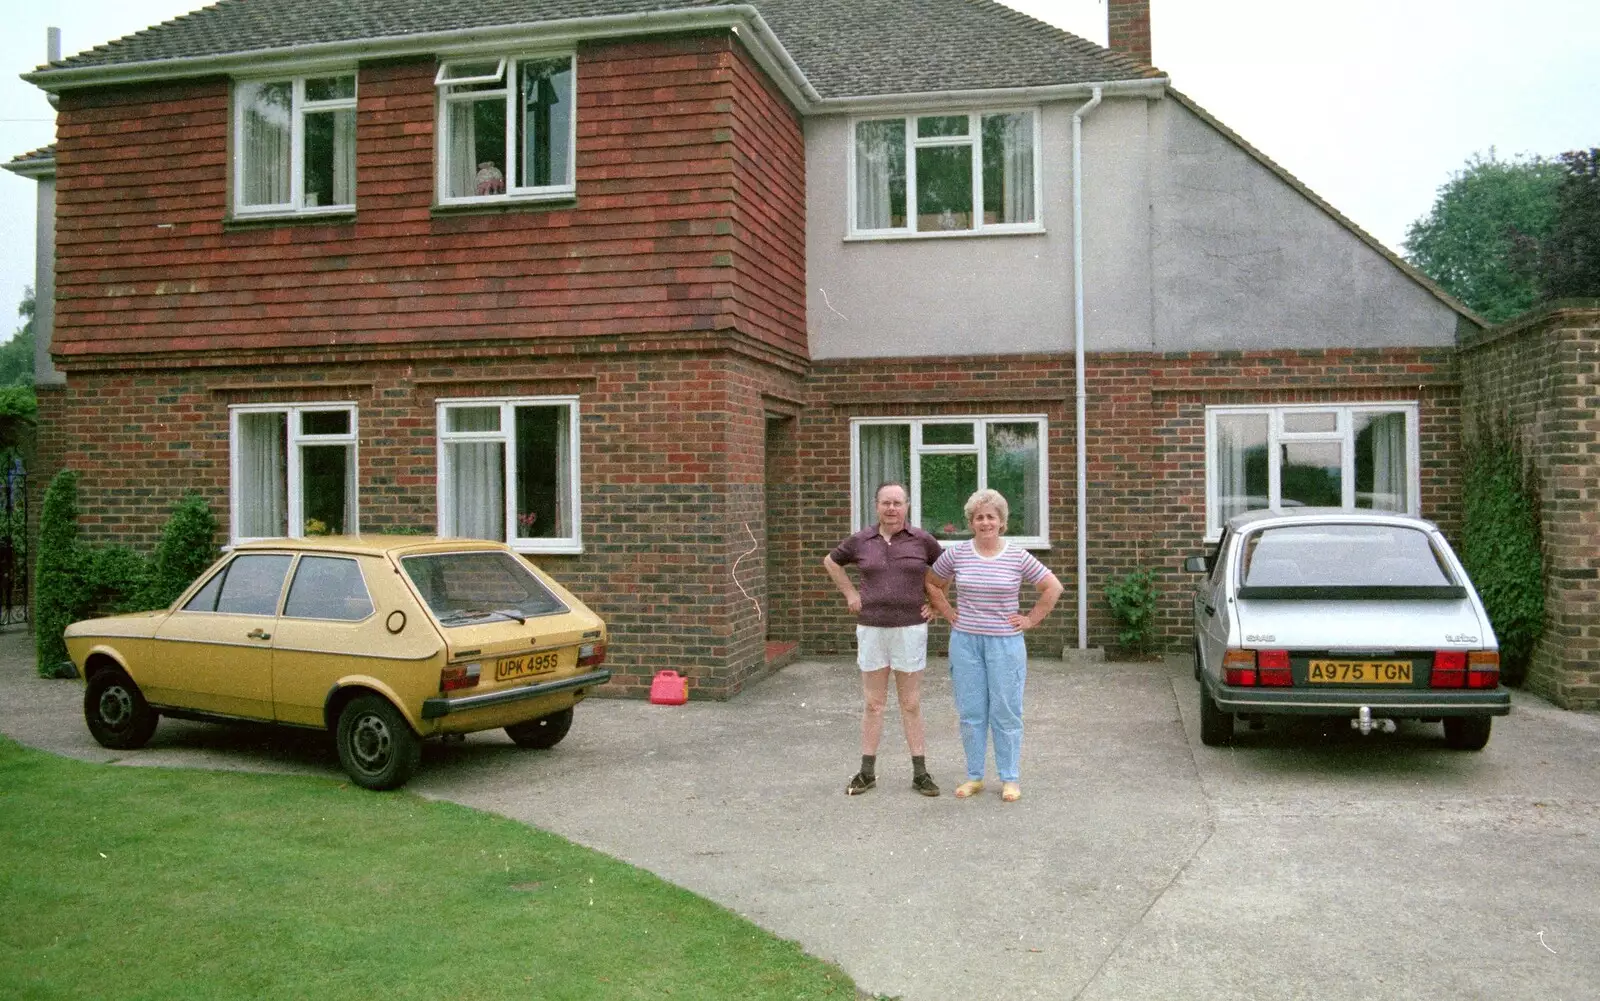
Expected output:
{"points": [[294, 471], [294, 145], [1353, 457], [969, 172], [507, 128]]}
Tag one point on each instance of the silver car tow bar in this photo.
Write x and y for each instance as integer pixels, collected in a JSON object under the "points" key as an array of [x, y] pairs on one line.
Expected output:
{"points": [[1366, 724]]}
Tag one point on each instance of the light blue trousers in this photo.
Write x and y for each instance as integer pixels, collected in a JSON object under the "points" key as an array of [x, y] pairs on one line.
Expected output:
{"points": [[987, 674]]}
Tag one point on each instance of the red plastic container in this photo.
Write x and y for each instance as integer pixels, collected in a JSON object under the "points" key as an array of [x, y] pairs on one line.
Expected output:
{"points": [[669, 689]]}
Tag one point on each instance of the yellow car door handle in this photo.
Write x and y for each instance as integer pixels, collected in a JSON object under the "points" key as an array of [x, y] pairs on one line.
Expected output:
{"points": [[259, 634]]}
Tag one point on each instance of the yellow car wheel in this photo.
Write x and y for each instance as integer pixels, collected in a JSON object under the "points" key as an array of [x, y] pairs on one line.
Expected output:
{"points": [[117, 714], [376, 745]]}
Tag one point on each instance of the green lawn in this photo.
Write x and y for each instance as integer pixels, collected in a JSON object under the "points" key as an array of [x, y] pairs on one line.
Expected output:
{"points": [[143, 883]]}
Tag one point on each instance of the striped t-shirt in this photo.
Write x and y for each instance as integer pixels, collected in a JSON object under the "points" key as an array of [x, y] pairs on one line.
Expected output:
{"points": [[987, 587]]}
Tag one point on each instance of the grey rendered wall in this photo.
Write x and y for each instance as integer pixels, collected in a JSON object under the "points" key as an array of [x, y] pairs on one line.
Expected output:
{"points": [[44, 289], [1244, 261], [1190, 243], [934, 296]]}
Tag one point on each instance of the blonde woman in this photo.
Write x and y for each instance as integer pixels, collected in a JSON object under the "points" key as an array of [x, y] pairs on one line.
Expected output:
{"points": [[988, 658]]}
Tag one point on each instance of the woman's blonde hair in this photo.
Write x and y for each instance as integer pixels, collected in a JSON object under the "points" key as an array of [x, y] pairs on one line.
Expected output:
{"points": [[988, 498]]}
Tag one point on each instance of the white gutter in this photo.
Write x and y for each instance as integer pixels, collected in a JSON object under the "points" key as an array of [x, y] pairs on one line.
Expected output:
{"points": [[1149, 87], [1077, 351]]}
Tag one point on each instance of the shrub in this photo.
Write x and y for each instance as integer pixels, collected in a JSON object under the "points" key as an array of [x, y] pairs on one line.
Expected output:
{"points": [[56, 591], [188, 545], [73, 581], [1133, 602], [115, 579], [1501, 545]]}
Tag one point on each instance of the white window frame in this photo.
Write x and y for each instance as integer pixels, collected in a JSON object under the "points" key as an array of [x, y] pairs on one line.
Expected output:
{"points": [[299, 108], [1344, 433], [978, 447], [506, 74], [295, 440], [506, 435], [973, 138]]}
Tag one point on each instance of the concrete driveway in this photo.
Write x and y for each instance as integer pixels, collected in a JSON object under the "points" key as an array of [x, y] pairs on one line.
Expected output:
{"points": [[1301, 863]]}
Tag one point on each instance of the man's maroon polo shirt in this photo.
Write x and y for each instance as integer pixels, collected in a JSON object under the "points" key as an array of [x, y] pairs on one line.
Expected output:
{"points": [[892, 572]]}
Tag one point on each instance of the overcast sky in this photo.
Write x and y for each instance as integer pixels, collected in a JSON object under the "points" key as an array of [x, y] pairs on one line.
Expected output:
{"points": [[1372, 103]]}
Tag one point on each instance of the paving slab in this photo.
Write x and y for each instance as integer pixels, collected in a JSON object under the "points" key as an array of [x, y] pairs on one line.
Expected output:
{"points": [[1303, 862]]}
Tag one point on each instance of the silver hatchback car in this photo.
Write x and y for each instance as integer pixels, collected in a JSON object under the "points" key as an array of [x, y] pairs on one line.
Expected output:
{"points": [[1364, 615]]}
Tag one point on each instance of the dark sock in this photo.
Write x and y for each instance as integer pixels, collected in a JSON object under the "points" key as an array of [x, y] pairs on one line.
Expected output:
{"points": [[917, 767], [869, 765]]}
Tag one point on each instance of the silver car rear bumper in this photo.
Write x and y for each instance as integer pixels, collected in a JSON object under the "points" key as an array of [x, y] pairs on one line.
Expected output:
{"points": [[1410, 703]]}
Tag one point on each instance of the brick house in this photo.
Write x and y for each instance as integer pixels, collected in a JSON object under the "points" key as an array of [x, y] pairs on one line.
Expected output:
{"points": [[657, 291]]}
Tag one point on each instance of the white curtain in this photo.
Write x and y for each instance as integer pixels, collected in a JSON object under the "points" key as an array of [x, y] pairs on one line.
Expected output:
{"points": [[344, 159], [267, 131], [1232, 490], [1389, 478], [885, 457], [563, 472], [1017, 159], [478, 489], [263, 476], [874, 169], [459, 165]]}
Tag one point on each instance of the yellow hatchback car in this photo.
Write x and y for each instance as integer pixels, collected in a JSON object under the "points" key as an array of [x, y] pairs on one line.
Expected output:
{"points": [[383, 641]]}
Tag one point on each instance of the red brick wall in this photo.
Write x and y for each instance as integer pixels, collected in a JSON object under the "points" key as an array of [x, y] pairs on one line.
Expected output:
{"points": [[1146, 453], [1541, 373], [672, 445], [670, 231]]}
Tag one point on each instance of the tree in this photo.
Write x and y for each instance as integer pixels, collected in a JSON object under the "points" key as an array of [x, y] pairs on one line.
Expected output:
{"points": [[16, 355], [1468, 242], [1566, 263]]}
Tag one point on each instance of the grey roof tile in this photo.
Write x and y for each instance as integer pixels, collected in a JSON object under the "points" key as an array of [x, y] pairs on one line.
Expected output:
{"points": [[846, 48]]}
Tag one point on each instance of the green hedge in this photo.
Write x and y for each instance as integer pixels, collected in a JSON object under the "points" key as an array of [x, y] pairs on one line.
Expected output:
{"points": [[56, 573], [74, 581], [1501, 544]]}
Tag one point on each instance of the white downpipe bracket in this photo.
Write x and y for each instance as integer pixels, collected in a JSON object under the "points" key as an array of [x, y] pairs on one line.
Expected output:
{"points": [[1077, 353]]}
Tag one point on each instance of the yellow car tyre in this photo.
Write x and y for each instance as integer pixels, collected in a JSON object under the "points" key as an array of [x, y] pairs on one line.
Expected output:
{"points": [[543, 733], [117, 714], [376, 745]]}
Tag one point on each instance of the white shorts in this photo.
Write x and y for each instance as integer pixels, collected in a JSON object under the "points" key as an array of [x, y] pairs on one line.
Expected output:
{"points": [[904, 648]]}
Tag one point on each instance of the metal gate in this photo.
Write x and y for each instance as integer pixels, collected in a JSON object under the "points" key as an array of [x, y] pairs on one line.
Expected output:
{"points": [[13, 540]]}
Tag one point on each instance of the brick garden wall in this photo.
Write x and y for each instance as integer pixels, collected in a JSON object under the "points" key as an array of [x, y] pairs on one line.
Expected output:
{"points": [[1541, 373]]}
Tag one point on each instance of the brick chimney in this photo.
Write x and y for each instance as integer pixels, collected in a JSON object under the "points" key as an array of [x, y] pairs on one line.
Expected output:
{"points": [[1129, 21]]}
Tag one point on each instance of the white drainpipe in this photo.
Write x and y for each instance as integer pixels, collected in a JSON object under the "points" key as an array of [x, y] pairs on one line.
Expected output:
{"points": [[1077, 350]]}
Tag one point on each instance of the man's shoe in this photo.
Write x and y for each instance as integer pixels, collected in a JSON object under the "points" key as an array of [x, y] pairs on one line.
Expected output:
{"points": [[924, 784], [860, 783]]}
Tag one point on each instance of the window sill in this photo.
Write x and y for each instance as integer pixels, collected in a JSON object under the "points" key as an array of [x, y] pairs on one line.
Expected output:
{"points": [[342, 214], [1030, 544], [555, 547], [945, 235], [505, 203]]}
